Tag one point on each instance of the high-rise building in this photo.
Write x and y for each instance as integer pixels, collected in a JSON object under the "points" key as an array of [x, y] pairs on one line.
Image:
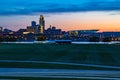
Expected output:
{"points": [[42, 24], [33, 23]]}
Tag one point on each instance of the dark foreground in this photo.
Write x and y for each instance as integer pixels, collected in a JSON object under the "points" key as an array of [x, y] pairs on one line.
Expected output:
{"points": [[83, 54], [60, 73], [87, 58]]}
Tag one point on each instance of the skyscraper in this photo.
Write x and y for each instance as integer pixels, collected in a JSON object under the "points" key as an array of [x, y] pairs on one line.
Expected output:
{"points": [[42, 24]]}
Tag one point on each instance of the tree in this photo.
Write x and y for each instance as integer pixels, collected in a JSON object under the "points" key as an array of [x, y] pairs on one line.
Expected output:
{"points": [[10, 39], [94, 39], [107, 39], [41, 38], [1, 39]]}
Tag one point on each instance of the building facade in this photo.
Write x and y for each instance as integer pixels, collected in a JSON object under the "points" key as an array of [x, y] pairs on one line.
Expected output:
{"points": [[53, 33], [33, 28], [41, 24]]}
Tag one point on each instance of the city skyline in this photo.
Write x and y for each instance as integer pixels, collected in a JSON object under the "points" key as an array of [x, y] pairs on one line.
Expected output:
{"points": [[72, 15]]}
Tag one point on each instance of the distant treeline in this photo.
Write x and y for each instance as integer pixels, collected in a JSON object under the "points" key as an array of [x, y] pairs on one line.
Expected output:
{"points": [[97, 39], [8, 39], [43, 38]]}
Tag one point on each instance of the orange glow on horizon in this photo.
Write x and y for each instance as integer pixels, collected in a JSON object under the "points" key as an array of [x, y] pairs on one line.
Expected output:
{"points": [[86, 21], [67, 21]]}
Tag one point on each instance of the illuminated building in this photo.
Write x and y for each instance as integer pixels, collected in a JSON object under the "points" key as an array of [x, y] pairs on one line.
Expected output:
{"points": [[33, 28], [41, 24], [81, 35], [79, 32], [53, 33]]}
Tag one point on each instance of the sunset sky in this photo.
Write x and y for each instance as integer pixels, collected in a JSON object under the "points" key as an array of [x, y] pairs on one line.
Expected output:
{"points": [[65, 14]]}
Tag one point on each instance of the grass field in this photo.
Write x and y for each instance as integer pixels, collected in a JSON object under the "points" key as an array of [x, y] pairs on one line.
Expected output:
{"points": [[83, 54]]}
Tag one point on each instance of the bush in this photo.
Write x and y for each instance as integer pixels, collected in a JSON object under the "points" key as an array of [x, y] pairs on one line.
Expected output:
{"points": [[10, 39], [1, 39], [107, 39], [94, 39], [41, 38]]}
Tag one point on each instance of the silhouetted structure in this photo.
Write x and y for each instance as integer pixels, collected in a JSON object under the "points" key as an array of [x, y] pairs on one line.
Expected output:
{"points": [[33, 23], [21, 31]]}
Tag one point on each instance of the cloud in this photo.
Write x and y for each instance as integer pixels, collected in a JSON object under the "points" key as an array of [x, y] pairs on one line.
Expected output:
{"points": [[30, 7]]}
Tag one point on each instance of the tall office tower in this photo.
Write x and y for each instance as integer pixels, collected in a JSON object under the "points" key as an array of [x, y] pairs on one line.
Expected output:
{"points": [[33, 23], [42, 24]]}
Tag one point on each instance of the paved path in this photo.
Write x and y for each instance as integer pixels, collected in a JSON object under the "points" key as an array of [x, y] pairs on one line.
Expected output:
{"points": [[60, 73]]}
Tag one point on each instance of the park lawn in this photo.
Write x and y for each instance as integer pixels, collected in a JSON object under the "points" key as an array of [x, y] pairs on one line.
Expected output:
{"points": [[70, 53]]}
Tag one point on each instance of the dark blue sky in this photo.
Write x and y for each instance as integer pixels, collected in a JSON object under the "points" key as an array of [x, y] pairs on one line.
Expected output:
{"points": [[30, 7]]}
